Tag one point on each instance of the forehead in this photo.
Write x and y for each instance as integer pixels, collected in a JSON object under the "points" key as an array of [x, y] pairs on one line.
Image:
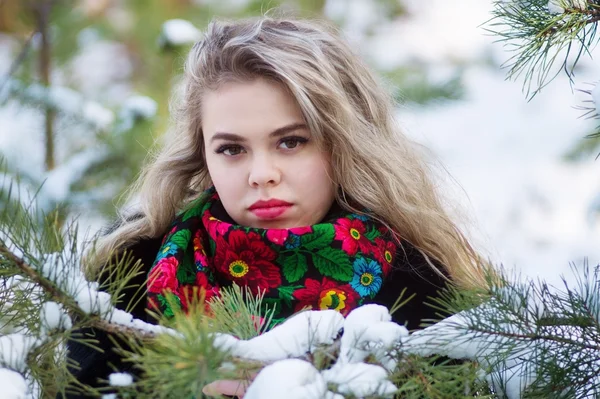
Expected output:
{"points": [[249, 107]]}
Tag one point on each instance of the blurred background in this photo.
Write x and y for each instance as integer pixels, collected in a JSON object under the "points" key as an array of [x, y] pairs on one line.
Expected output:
{"points": [[85, 87]]}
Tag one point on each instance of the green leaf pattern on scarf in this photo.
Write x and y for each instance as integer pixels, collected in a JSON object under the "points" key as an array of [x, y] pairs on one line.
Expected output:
{"points": [[294, 266]]}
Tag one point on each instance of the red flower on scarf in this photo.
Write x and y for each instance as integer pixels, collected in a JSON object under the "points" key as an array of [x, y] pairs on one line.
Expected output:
{"points": [[247, 260], [200, 257], [164, 276], [385, 253], [188, 294], [326, 294], [279, 236], [351, 233], [215, 227], [210, 291]]}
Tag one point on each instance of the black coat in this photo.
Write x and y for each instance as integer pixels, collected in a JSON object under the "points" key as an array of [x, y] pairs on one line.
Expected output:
{"points": [[410, 271]]}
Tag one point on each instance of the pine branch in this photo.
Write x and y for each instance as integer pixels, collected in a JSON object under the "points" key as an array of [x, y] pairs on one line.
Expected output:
{"points": [[531, 338], [537, 34], [67, 301]]}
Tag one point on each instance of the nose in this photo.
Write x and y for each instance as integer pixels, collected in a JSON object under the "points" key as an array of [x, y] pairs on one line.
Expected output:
{"points": [[264, 171]]}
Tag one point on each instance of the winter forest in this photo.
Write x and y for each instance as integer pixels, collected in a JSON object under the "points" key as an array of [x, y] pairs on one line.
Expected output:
{"points": [[502, 92]]}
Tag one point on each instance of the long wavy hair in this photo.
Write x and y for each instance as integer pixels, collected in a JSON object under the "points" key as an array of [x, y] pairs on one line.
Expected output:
{"points": [[348, 112]]}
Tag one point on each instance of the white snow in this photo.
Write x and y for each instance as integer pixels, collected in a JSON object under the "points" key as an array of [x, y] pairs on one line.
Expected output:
{"points": [[64, 100], [14, 349], [300, 334], [58, 182], [140, 107], [368, 330], [53, 316], [99, 115], [290, 378], [360, 379], [102, 69], [64, 270], [554, 7], [120, 379], [180, 31], [135, 108], [122, 317], [13, 384], [596, 97], [91, 301]]}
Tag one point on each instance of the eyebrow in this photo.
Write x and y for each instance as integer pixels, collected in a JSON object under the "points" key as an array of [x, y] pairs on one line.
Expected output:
{"points": [[275, 133]]}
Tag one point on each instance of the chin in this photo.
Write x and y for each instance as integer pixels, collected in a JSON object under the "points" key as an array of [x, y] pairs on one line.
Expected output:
{"points": [[270, 224], [275, 224]]}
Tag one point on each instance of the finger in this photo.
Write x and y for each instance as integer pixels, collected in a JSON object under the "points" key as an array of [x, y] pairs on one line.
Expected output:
{"points": [[226, 387]]}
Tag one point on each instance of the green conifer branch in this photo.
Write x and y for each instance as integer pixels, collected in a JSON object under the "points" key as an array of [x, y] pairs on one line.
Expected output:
{"points": [[537, 37]]}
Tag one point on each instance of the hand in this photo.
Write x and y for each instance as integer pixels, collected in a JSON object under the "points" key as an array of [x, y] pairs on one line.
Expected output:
{"points": [[227, 387]]}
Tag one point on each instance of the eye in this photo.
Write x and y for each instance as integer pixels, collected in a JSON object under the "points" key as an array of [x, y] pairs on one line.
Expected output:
{"points": [[292, 142], [230, 150]]}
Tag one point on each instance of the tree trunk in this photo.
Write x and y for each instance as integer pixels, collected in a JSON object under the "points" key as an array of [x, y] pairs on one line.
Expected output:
{"points": [[41, 11]]}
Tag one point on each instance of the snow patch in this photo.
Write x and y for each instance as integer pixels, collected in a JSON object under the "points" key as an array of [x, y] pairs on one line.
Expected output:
{"points": [[66, 273], [290, 378], [135, 108], [368, 330], [13, 384], [360, 380], [120, 379], [53, 317], [555, 7], [176, 32], [300, 334], [596, 97], [14, 349]]}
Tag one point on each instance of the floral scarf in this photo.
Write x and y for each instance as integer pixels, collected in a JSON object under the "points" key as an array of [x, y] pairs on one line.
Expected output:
{"points": [[336, 264]]}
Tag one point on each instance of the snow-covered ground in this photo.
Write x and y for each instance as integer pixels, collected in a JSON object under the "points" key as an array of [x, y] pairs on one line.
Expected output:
{"points": [[530, 208]]}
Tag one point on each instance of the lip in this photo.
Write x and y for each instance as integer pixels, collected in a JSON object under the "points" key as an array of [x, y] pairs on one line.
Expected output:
{"points": [[270, 209]]}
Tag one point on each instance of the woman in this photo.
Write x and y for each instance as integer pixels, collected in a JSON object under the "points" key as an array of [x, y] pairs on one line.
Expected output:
{"points": [[287, 173]]}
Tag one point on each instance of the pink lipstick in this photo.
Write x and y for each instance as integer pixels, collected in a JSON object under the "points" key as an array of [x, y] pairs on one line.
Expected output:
{"points": [[269, 209]]}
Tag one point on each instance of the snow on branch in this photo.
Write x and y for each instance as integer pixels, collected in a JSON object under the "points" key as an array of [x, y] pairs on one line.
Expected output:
{"points": [[368, 330], [135, 108], [177, 32], [13, 384], [58, 181], [61, 276], [63, 100]]}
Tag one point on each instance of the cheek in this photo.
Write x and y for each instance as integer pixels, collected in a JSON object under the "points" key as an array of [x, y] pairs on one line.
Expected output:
{"points": [[317, 176], [225, 178]]}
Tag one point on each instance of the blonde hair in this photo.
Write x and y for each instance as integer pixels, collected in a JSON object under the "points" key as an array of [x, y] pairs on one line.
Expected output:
{"points": [[347, 111]]}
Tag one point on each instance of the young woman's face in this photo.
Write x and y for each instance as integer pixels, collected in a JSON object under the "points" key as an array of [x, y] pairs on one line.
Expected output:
{"points": [[261, 157]]}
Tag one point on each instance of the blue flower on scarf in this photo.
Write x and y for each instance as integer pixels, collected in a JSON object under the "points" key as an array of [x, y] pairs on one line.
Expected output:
{"points": [[362, 218], [168, 250], [367, 277], [293, 241]]}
